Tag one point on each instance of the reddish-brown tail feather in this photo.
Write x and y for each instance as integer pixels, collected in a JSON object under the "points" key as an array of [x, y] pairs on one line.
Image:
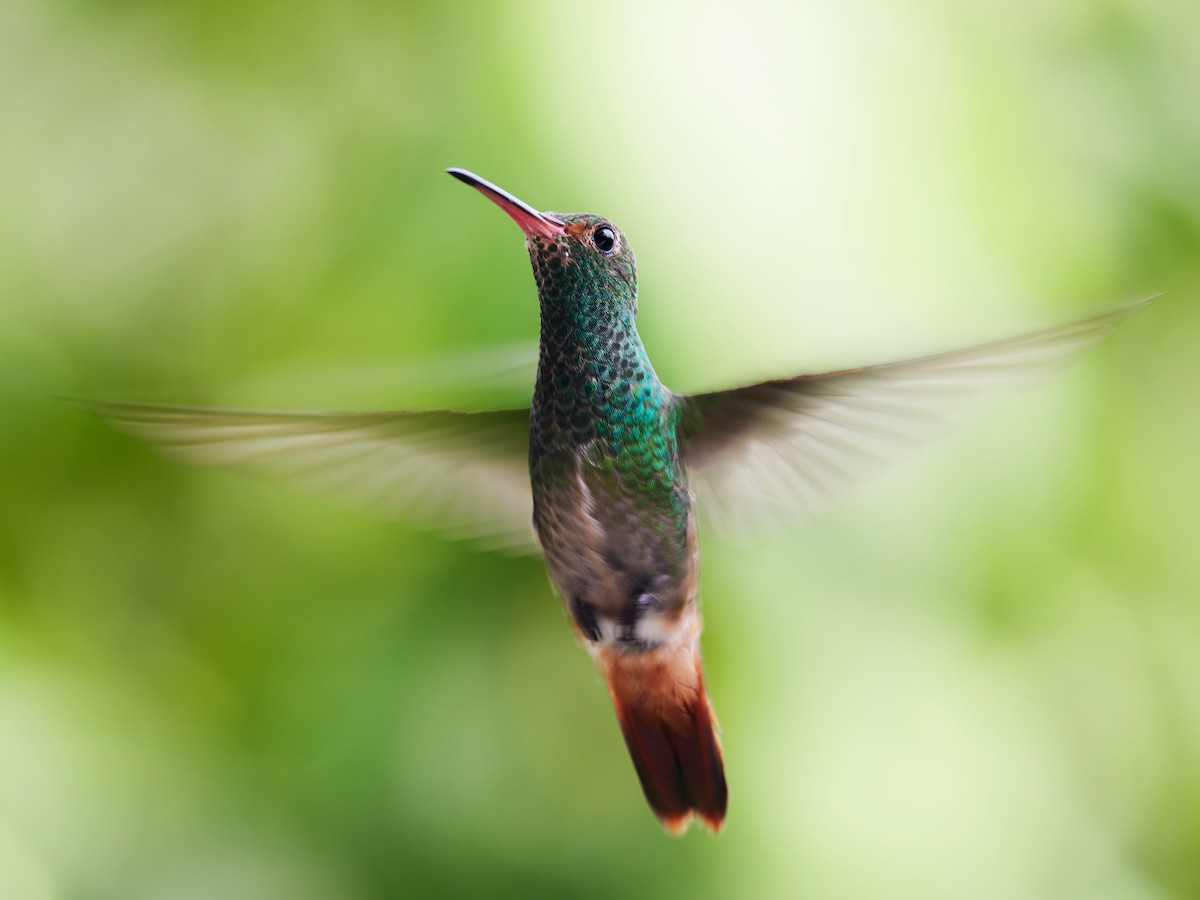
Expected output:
{"points": [[670, 730]]}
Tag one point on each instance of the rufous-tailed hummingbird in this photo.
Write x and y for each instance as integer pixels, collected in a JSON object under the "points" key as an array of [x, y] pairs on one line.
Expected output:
{"points": [[609, 465]]}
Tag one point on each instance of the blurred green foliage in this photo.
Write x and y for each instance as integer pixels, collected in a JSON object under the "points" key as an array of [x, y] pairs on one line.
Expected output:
{"points": [[978, 677]]}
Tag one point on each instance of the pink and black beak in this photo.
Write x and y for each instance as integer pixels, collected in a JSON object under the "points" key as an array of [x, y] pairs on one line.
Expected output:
{"points": [[533, 223]]}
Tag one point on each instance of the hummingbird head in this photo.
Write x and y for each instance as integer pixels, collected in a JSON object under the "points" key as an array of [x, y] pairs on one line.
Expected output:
{"points": [[582, 262]]}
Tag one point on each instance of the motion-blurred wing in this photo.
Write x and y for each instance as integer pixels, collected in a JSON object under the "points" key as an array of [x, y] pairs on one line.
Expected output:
{"points": [[467, 472], [785, 446]]}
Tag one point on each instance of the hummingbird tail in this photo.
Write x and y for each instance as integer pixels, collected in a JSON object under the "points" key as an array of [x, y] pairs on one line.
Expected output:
{"points": [[670, 730]]}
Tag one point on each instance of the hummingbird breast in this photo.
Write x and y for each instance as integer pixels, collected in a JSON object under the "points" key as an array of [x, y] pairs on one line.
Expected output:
{"points": [[612, 508]]}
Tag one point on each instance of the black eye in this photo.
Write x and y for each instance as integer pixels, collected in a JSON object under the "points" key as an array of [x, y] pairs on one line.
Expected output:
{"points": [[604, 238]]}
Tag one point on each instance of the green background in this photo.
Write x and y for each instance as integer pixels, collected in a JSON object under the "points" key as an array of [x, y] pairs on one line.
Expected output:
{"points": [[976, 677]]}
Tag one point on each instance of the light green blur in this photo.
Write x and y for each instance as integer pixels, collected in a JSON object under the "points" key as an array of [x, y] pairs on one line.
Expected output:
{"points": [[977, 677]]}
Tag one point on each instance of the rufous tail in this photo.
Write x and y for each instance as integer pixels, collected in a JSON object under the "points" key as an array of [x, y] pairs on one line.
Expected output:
{"points": [[670, 730]]}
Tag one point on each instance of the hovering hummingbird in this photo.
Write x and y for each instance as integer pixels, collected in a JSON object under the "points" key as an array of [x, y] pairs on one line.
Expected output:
{"points": [[608, 465]]}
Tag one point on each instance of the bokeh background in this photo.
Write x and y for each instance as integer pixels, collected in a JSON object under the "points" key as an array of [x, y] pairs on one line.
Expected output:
{"points": [[977, 676]]}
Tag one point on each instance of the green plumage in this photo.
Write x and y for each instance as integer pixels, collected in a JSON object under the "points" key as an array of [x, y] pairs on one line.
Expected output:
{"points": [[605, 466]]}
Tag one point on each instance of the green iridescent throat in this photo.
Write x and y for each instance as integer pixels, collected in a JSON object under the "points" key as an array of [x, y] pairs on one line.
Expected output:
{"points": [[596, 389]]}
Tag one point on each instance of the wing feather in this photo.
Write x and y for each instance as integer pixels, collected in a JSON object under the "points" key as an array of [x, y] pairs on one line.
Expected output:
{"points": [[466, 472], [787, 446]]}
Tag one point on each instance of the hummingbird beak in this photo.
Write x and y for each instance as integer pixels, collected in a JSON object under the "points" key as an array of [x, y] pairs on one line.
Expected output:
{"points": [[532, 222]]}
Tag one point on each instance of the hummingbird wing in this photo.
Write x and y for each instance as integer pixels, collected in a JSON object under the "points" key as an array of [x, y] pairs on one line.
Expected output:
{"points": [[465, 472], [786, 446]]}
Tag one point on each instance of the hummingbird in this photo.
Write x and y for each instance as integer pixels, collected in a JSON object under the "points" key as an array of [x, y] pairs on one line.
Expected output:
{"points": [[609, 466]]}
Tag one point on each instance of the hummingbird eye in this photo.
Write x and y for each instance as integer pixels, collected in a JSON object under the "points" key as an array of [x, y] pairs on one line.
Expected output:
{"points": [[605, 239]]}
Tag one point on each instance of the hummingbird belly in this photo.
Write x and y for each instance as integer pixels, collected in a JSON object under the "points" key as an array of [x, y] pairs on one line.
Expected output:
{"points": [[623, 558]]}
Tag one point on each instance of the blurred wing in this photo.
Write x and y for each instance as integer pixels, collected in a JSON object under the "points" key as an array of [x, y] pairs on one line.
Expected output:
{"points": [[467, 472], [786, 446]]}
